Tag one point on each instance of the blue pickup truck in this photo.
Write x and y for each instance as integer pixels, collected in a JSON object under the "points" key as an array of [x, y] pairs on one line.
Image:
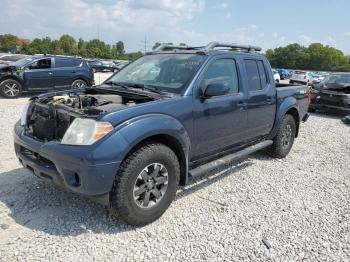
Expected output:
{"points": [[172, 115]]}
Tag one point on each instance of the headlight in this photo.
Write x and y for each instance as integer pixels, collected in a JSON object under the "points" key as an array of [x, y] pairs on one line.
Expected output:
{"points": [[84, 131], [24, 114]]}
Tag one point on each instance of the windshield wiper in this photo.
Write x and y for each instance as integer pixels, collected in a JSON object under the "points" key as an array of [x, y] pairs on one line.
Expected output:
{"points": [[116, 84], [143, 87]]}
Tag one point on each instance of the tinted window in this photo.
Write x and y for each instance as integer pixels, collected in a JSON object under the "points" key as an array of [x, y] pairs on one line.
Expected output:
{"points": [[262, 73], [222, 71], [41, 64], [65, 62], [253, 75]]}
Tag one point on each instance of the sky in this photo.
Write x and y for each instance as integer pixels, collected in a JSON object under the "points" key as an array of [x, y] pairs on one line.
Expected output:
{"points": [[267, 23]]}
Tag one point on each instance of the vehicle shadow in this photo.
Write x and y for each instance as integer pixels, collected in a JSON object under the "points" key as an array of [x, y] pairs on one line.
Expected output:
{"points": [[41, 206], [327, 114]]}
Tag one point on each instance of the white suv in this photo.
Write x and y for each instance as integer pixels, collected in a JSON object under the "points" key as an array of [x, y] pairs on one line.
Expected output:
{"points": [[301, 77]]}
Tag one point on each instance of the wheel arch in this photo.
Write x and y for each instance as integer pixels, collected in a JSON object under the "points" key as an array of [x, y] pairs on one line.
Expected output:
{"points": [[288, 106], [13, 77], [170, 142], [162, 129]]}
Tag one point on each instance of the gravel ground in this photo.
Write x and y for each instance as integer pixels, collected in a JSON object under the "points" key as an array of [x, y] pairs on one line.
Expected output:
{"points": [[262, 209]]}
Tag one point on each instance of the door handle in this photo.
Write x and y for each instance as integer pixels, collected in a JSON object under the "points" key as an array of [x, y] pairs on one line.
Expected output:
{"points": [[73, 72], [269, 99], [50, 73]]}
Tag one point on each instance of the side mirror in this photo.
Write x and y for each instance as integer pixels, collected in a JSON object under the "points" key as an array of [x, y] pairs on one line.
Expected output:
{"points": [[216, 89]]}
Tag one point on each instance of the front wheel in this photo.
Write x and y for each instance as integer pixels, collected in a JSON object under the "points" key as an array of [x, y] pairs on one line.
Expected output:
{"points": [[79, 83], [10, 88], [146, 184], [284, 139]]}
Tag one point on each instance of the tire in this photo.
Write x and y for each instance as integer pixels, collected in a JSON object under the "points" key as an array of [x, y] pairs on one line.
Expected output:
{"points": [[79, 83], [284, 139], [10, 88], [130, 189]]}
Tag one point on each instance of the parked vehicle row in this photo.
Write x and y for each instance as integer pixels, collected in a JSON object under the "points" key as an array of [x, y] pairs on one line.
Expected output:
{"points": [[168, 117], [104, 65], [41, 72], [9, 59]]}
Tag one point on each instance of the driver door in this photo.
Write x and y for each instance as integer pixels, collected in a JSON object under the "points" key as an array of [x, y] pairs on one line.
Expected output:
{"points": [[220, 121], [38, 75]]}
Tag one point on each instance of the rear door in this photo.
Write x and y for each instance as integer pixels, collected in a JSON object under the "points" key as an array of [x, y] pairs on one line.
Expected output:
{"points": [[64, 71], [38, 74], [219, 122], [261, 100]]}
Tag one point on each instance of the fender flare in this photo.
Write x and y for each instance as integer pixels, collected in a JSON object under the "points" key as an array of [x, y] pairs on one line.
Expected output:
{"points": [[143, 127], [287, 104]]}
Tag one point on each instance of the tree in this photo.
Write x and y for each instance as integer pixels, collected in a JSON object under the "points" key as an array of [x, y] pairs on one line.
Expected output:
{"points": [[82, 47], [69, 45], [156, 45], [119, 49], [9, 43], [315, 57], [55, 47]]}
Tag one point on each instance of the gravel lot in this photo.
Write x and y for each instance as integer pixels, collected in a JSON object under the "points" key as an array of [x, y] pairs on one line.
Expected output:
{"points": [[263, 209]]}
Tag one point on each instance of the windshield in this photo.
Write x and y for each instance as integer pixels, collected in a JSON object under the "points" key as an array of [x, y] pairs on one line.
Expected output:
{"points": [[23, 61], [165, 72], [338, 78]]}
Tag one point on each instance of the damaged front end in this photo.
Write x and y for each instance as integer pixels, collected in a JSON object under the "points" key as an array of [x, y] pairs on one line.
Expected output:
{"points": [[49, 116], [331, 96]]}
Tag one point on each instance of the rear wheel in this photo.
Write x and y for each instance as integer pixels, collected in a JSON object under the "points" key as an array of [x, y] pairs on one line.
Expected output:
{"points": [[10, 88], [146, 184], [284, 139], [79, 83]]}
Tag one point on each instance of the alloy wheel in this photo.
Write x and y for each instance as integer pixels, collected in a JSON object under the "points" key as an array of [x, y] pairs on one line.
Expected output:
{"points": [[150, 185], [286, 136], [11, 89], [79, 84]]}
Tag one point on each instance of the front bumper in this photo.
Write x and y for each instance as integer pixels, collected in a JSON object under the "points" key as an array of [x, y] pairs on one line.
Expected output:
{"points": [[86, 170], [323, 106]]}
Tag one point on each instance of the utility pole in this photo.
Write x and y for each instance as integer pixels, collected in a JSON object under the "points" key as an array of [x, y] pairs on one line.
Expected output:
{"points": [[145, 44], [98, 31]]}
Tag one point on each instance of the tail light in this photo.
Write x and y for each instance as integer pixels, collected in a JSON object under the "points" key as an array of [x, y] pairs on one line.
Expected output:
{"points": [[305, 77], [309, 96]]}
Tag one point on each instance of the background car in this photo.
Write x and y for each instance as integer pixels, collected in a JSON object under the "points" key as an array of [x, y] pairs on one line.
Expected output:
{"points": [[121, 64], [301, 77], [9, 59], [276, 75], [103, 65], [332, 94], [37, 73], [284, 73]]}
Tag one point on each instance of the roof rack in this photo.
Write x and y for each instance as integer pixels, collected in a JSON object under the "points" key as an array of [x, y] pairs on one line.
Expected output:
{"points": [[209, 47], [170, 47], [249, 48]]}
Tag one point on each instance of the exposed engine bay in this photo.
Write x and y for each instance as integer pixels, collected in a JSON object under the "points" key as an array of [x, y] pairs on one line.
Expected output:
{"points": [[50, 115]]}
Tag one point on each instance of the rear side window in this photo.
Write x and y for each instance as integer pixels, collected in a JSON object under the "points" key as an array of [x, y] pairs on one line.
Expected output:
{"points": [[262, 74], [65, 62], [222, 71], [256, 74]]}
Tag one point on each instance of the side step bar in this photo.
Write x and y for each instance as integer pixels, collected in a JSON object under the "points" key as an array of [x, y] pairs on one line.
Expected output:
{"points": [[226, 161]]}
